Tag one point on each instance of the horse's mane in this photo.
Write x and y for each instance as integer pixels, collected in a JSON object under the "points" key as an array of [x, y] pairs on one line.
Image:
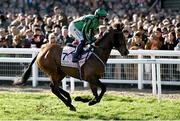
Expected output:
{"points": [[97, 42]]}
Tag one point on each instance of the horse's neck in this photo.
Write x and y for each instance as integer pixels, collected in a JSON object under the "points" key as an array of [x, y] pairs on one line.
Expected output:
{"points": [[104, 50], [103, 53]]}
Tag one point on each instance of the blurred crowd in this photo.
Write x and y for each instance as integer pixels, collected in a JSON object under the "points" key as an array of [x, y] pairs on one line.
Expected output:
{"points": [[31, 23]]}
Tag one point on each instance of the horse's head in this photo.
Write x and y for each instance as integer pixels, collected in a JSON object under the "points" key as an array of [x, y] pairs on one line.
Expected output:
{"points": [[113, 38], [119, 42]]}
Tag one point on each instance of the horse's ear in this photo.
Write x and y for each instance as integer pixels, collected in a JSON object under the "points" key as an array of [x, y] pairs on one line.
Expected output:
{"points": [[118, 26]]}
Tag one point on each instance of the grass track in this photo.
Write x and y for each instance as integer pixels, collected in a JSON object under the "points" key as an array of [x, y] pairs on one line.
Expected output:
{"points": [[45, 106]]}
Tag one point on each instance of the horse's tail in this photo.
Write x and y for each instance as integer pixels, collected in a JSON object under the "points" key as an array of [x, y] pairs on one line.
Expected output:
{"points": [[25, 76]]}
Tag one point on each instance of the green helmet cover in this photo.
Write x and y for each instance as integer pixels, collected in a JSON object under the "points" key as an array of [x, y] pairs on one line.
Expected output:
{"points": [[100, 12]]}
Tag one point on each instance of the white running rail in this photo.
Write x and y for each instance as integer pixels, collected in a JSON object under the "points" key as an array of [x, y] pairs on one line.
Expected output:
{"points": [[155, 64]]}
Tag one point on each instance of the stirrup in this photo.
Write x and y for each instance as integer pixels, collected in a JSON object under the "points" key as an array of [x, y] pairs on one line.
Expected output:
{"points": [[75, 60]]}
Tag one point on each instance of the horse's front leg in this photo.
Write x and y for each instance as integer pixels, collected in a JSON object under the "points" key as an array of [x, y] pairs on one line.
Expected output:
{"points": [[85, 100], [61, 94], [94, 90], [97, 98]]}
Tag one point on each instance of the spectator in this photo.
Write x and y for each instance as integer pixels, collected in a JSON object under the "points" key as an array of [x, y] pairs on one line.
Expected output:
{"points": [[49, 22], [22, 22], [26, 42], [60, 16], [137, 42], [143, 34], [159, 38], [133, 28], [3, 22], [178, 25], [38, 38], [164, 32], [17, 41], [126, 34], [70, 18], [57, 32], [177, 31], [170, 41], [47, 31], [65, 39], [38, 22], [13, 31], [2, 32], [52, 38], [3, 42]]}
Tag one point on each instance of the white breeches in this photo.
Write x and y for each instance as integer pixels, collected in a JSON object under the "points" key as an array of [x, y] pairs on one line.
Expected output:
{"points": [[74, 32]]}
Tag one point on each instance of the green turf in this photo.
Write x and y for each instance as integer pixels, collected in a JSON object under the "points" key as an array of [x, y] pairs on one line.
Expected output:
{"points": [[45, 106]]}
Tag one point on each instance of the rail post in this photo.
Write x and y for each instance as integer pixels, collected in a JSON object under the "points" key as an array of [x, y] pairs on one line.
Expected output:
{"points": [[72, 84], [158, 82], [153, 76], [140, 73], [34, 72]]}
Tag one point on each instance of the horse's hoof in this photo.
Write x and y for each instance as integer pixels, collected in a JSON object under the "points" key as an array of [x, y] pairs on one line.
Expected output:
{"points": [[78, 98], [84, 100], [72, 108], [18, 84], [92, 102]]}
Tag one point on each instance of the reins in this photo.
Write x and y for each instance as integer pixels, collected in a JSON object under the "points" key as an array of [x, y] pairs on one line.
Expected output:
{"points": [[99, 58], [93, 46]]}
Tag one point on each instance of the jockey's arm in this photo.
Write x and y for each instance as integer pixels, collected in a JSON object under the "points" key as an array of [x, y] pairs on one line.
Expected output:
{"points": [[86, 30], [91, 36]]}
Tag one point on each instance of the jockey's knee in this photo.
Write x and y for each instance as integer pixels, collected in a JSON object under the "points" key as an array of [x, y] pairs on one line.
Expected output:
{"points": [[82, 42]]}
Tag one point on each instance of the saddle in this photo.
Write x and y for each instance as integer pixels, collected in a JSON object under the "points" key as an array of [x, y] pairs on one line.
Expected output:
{"points": [[67, 55]]}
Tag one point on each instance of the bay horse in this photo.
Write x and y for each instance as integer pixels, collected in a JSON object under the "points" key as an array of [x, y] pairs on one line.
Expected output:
{"points": [[48, 60]]}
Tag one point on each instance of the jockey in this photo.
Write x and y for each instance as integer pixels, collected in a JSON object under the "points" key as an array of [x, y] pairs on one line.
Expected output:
{"points": [[82, 30]]}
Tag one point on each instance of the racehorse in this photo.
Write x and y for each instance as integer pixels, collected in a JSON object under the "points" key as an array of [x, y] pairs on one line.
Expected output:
{"points": [[48, 60]]}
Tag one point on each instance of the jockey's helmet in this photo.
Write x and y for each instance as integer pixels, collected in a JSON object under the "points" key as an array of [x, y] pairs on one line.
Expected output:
{"points": [[100, 12]]}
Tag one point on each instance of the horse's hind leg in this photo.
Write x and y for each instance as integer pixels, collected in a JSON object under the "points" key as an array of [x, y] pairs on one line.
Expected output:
{"points": [[57, 91], [66, 94], [60, 93]]}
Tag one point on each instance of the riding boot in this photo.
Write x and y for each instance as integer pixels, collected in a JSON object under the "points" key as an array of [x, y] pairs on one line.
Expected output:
{"points": [[78, 51]]}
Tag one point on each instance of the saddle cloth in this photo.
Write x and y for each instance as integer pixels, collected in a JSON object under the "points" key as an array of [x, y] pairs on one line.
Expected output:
{"points": [[67, 54]]}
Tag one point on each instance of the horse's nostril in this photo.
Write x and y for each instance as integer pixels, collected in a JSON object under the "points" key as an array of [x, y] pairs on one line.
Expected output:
{"points": [[127, 52]]}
